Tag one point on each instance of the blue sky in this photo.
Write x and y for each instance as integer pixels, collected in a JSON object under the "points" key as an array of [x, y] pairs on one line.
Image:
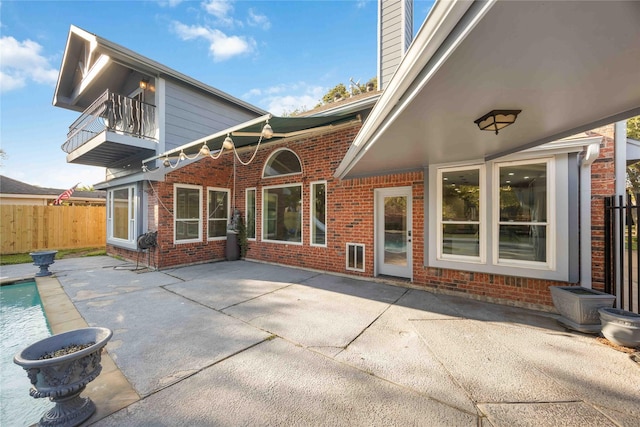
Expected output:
{"points": [[278, 55]]}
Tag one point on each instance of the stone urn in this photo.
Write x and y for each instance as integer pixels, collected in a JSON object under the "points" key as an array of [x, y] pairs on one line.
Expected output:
{"points": [[43, 259], [620, 326], [60, 367], [578, 307]]}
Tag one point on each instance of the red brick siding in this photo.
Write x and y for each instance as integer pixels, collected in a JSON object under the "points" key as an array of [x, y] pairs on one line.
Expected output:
{"points": [[350, 210]]}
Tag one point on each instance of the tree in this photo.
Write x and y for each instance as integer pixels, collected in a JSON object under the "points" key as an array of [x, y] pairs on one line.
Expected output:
{"points": [[3, 155], [340, 91]]}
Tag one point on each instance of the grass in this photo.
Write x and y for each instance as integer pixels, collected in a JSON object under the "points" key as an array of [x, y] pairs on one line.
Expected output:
{"points": [[62, 254]]}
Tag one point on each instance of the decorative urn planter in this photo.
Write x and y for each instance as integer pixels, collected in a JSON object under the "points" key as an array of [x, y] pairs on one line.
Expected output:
{"points": [[43, 259], [60, 367], [620, 326], [578, 307]]}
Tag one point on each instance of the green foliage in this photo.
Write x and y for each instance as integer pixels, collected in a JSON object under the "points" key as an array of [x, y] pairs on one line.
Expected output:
{"points": [[340, 91], [62, 254], [243, 242]]}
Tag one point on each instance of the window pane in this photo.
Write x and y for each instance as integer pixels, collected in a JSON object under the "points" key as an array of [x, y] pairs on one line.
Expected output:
{"points": [[187, 203], [187, 229], [461, 195], [251, 214], [318, 217], [121, 214], [281, 214], [282, 163], [218, 205], [523, 242], [461, 239], [523, 193]]}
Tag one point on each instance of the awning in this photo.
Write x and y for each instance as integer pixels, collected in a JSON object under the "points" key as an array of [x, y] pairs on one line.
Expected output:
{"points": [[248, 133]]}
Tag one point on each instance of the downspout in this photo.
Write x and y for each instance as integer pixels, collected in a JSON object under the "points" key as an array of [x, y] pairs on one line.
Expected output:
{"points": [[588, 156]]}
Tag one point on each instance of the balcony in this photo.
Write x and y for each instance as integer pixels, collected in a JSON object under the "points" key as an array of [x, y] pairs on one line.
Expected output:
{"points": [[114, 131]]}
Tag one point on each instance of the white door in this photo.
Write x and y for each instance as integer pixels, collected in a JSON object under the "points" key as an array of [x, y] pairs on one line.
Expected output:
{"points": [[393, 232]]}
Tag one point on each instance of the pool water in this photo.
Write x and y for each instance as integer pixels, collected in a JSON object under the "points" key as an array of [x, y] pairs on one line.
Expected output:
{"points": [[22, 322]]}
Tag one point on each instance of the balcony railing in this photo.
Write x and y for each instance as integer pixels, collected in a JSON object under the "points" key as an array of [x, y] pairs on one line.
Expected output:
{"points": [[116, 113]]}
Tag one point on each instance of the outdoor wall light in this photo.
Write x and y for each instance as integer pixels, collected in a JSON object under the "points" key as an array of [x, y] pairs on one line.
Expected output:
{"points": [[144, 84], [497, 119]]}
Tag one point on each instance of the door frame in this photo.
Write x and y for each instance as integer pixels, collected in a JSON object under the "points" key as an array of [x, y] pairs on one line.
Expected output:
{"points": [[378, 235]]}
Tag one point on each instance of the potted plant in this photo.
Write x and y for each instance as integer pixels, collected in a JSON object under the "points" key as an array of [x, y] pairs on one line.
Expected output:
{"points": [[578, 307], [43, 259], [60, 367], [620, 326]]}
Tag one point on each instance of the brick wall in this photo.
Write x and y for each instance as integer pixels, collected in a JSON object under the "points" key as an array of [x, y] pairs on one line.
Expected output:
{"points": [[350, 208]]}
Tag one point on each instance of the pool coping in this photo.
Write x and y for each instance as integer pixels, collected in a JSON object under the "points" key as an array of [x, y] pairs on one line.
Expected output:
{"points": [[111, 391]]}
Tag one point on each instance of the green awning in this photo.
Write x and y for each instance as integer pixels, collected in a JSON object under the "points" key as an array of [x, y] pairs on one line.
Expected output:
{"points": [[248, 133]]}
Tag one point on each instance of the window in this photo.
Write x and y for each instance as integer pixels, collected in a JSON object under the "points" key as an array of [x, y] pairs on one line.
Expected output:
{"points": [[250, 209], [217, 213], [282, 162], [187, 208], [281, 213], [460, 229], [121, 216], [522, 231], [318, 205], [355, 257]]}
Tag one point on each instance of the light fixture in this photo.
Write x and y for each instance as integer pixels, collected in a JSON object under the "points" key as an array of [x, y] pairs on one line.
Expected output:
{"points": [[204, 151], [497, 119], [227, 143], [144, 84], [166, 163], [267, 132]]}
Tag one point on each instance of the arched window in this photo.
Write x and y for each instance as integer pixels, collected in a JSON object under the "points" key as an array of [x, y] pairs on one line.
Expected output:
{"points": [[282, 162]]}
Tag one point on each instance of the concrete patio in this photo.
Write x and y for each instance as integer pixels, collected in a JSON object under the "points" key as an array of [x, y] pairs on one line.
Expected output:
{"points": [[243, 343]]}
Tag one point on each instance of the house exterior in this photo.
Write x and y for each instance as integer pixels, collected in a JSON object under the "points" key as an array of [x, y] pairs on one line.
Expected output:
{"points": [[402, 185], [130, 108], [14, 192]]}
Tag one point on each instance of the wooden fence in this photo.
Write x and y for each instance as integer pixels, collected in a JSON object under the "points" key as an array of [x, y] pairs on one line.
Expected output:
{"points": [[27, 228]]}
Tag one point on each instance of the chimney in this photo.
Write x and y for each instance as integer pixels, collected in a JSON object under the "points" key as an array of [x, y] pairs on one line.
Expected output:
{"points": [[395, 33]]}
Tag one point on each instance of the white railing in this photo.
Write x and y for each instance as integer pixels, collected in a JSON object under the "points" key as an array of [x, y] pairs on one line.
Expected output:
{"points": [[113, 112]]}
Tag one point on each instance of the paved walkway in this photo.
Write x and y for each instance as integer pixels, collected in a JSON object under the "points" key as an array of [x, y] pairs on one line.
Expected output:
{"points": [[242, 343]]}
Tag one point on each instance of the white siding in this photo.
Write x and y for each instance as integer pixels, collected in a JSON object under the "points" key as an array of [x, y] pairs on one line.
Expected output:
{"points": [[190, 115]]}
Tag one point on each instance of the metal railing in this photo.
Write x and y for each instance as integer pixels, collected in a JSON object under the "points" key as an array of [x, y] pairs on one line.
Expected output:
{"points": [[114, 112], [622, 257]]}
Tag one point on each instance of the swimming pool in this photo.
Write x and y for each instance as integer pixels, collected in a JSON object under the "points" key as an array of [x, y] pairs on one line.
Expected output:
{"points": [[22, 322]]}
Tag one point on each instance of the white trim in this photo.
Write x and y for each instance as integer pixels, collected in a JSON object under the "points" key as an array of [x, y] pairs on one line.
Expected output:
{"points": [[220, 190], [175, 210], [364, 264], [311, 209], [264, 199]]}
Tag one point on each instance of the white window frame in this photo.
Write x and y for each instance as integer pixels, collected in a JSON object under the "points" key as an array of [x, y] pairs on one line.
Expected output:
{"points": [[312, 200], [346, 252], [255, 211], [264, 211], [275, 153], [481, 258], [175, 210], [551, 215], [220, 190], [132, 218]]}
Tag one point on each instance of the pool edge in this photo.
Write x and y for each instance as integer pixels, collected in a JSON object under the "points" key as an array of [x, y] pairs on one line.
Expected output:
{"points": [[111, 391]]}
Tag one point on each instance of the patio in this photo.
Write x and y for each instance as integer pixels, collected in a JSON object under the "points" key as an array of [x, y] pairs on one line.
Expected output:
{"points": [[244, 343]]}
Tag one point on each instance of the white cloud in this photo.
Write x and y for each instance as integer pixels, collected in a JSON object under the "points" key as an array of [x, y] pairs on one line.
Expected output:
{"points": [[221, 9], [221, 46], [23, 62], [284, 99], [257, 20]]}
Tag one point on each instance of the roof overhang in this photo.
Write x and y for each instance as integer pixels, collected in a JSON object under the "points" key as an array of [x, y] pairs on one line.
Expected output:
{"points": [[569, 66]]}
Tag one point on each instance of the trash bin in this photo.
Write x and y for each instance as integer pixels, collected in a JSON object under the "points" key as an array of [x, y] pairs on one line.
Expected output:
{"points": [[233, 249]]}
